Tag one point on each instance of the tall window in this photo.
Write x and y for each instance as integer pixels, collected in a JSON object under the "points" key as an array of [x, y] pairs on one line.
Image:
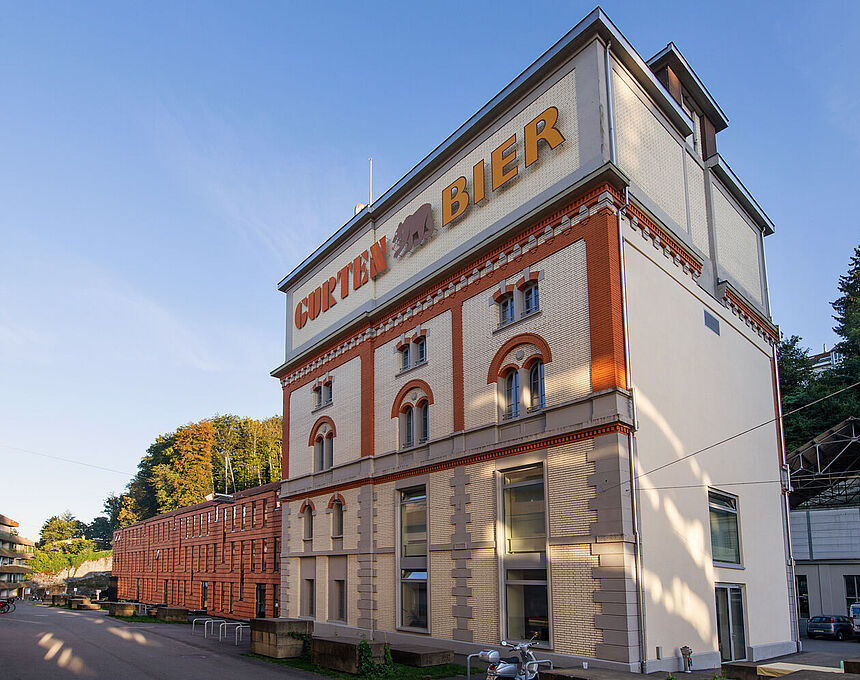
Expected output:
{"points": [[309, 598], [420, 350], [524, 510], [512, 394], [408, 421], [725, 536], [265, 555], [336, 519], [852, 592], [326, 393], [308, 519], [324, 452], [413, 558], [423, 422], [803, 596], [536, 393], [277, 566], [506, 310], [404, 358], [339, 600], [531, 301]]}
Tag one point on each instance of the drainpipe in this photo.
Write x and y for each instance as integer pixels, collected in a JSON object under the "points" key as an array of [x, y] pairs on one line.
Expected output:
{"points": [[792, 585], [631, 440], [610, 107], [631, 443]]}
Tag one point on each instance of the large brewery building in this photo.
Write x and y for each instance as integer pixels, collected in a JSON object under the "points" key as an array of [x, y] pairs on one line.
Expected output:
{"points": [[475, 367]]}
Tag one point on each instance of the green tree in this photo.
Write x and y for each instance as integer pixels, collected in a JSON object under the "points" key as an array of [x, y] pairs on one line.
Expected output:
{"points": [[799, 386], [847, 308], [100, 531], [61, 528]]}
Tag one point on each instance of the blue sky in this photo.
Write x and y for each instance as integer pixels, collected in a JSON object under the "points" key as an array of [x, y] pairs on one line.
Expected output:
{"points": [[164, 165]]}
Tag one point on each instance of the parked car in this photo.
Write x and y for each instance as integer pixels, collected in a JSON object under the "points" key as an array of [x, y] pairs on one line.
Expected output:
{"points": [[839, 627]]}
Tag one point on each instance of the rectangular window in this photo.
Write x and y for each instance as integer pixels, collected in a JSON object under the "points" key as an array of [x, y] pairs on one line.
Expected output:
{"points": [[326, 393], [524, 510], [253, 562], [413, 598], [712, 322], [276, 600], [506, 310], [339, 599], [526, 604], [803, 596], [404, 358], [420, 351], [277, 566], [852, 591], [413, 522], [725, 536], [308, 598], [265, 513], [253, 514], [263, 558], [233, 556], [531, 301]]}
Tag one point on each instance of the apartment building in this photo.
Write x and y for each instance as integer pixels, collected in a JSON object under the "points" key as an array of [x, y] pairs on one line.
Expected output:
{"points": [[221, 556], [15, 554], [496, 374]]}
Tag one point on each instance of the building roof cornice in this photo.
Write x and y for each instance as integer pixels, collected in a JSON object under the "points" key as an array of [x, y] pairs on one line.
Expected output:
{"points": [[596, 25]]}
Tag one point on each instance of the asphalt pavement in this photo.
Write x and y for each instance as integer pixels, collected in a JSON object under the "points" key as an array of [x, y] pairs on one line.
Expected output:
{"points": [[40, 643]]}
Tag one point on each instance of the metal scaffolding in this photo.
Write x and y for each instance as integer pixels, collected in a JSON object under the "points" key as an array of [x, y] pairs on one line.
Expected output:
{"points": [[825, 472]]}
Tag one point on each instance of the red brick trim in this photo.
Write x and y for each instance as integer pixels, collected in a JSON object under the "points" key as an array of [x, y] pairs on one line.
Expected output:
{"points": [[336, 497], [322, 420], [308, 503], [504, 370], [605, 317], [500, 295], [522, 338], [401, 394], [528, 363], [524, 283], [549, 442], [366, 352], [457, 367], [766, 327], [672, 244]]}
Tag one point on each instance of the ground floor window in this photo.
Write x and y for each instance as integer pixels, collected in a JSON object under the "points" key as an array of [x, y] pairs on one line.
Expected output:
{"points": [[276, 600], [308, 598], [852, 591], [413, 598], [802, 596], [526, 604], [339, 600]]}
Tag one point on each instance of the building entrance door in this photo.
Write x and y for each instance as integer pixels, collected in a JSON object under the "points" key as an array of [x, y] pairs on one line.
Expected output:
{"points": [[731, 631], [261, 600]]}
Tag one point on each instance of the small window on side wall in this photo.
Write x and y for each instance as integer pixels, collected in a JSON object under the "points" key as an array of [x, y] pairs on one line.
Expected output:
{"points": [[336, 519], [404, 358], [420, 350], [725, 531]]}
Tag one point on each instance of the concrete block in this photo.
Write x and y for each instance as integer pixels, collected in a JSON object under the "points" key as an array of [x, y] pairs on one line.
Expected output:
{"points": [[121, 608], [415, 655], [342, 654], [172, 614], [740, 670], [274, 637]]}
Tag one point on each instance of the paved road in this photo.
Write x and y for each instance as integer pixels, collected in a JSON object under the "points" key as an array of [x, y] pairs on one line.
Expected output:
{"points": [[37, 643]]}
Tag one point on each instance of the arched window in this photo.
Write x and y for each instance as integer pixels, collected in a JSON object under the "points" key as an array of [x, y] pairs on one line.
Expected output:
{"points": [[319, 454], [408, 424], [336, 519], [308, 517], [512, 394], [423, 421], [536, 391], [328, 451]]}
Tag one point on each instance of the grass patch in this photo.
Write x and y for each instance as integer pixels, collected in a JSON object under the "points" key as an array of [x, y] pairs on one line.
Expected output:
{"points": [[401, 672], [145, 619]]}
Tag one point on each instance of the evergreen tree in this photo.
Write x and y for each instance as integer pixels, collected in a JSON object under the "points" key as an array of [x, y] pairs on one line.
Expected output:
{"points": [[847, 308]]}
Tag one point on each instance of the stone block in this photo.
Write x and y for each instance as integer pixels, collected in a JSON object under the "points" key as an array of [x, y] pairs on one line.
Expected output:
{"points": [[414, 655], [740, 670], [341, 654], [60, 600], [75, 602], [852, 665], [273, 637], [89, 607], [121, 608], [172, 614]]}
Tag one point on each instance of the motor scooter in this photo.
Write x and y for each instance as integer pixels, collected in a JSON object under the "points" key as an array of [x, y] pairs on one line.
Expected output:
{"points": [[522, 666]]}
